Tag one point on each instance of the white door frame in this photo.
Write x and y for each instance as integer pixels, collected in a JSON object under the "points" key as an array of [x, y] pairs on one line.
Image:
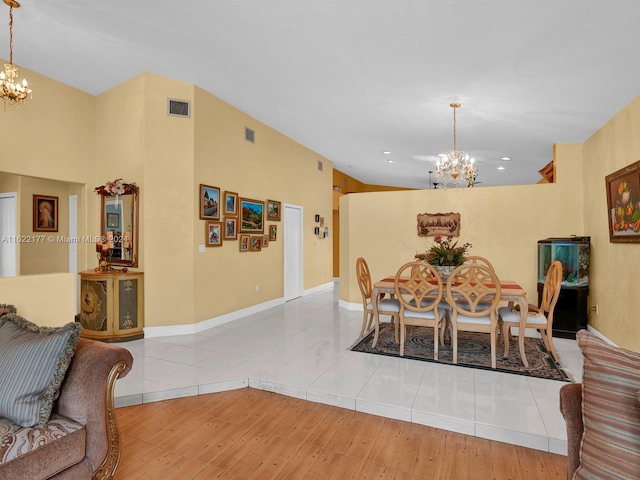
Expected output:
{"points": [[8, 232], [293, 251]]}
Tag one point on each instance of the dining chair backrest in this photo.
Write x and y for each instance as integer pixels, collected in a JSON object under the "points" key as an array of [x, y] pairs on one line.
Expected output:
{"points": [[551, 289], [477, 260], [473, 290], [418, 287], [364, 279]]}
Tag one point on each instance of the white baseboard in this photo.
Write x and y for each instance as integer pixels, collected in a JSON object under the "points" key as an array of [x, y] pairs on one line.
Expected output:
{"points": [[598, 334], [172, 330]]}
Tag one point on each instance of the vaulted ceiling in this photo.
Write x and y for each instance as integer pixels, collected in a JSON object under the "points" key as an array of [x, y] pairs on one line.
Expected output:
{"points": [[353, 78]]}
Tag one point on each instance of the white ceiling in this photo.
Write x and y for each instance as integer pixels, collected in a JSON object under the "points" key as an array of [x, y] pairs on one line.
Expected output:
{"points": [[351, 78]]}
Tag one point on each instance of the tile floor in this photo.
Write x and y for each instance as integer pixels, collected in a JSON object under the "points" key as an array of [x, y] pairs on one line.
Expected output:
{"points": [[301, 349]]}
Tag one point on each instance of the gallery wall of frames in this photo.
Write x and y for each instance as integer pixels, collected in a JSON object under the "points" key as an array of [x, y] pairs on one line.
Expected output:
{"points": [[230, 217]]}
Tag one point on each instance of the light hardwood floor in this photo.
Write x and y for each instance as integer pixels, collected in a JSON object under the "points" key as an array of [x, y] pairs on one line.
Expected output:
{"points": [[257, 435]]}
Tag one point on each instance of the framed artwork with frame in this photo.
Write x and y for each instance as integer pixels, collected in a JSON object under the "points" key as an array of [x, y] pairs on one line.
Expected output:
{"points": [[230, 204], [273, 233], [213, 234], [265, 241], [623, 204], [434, 224], [45, 213], [273, 210], [230, 228], [244, 242], [255, 243], [113, 220], [209, 202], [251, 216]]}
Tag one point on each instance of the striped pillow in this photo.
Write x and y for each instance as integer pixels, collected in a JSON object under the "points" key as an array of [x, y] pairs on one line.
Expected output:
{"points": [[33, 363], [610, 410]]}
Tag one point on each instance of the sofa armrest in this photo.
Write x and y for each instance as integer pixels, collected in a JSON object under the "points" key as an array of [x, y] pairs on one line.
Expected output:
{"points": [[571, 409], [86, 396]]}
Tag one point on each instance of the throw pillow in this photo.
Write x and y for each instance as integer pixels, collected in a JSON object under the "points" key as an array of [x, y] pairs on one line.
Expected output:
{"points": [[33, 363], [610, 410]]}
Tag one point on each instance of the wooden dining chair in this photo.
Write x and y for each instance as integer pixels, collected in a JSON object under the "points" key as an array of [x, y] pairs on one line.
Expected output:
{"points": [[477, 260], [419, 290], [539, 317], [386, 306], [473, 291]]}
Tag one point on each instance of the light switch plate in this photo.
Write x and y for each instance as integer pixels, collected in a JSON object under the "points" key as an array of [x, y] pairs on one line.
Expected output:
{"points": [[201, 248]]}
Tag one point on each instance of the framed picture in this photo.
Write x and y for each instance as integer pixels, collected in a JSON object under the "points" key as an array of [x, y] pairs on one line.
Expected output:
{"points": [[317, 218], [623, 204], [252, 216], [45, 213], [255, 244], [214, 234], [230, 228], [273, 233], [321, 221], [265, 241], [113, 220], [273, 210], [230, 204], [209, 202], [244, 242], [434, 224]]}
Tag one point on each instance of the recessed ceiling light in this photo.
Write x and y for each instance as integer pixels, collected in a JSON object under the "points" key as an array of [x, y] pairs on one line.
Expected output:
{"points": [[501, 168], [505, 159], [389, 161], [386, 152]]}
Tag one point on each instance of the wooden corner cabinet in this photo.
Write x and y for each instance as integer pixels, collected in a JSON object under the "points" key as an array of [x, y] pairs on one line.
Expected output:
{"points": [[112, 305]]}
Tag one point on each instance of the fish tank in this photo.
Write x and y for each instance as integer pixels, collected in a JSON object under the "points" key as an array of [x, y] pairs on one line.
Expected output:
{"points": [[572, 253]]}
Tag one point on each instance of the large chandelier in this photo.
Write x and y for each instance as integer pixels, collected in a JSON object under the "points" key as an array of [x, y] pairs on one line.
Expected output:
{"points": [[12, 91], [456, 163]]}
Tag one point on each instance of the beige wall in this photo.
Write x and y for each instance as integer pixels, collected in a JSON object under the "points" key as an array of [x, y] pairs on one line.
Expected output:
{"points": [[126, 133], [614, 284]]}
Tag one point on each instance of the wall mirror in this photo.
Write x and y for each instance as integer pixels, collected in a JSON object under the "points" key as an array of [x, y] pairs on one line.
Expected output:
{"points": [[119, 226]]}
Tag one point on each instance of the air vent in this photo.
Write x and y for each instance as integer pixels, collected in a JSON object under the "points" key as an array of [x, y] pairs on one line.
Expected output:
{"points": [[249, 135], [178, 108], [319, 165]]}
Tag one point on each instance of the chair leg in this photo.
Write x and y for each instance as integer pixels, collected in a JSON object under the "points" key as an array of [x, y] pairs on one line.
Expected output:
{"points": [[403, 333], [364, 322], [435, 340], [396, 328], [494, 337], [549, 342], [454, 341], [506, 336]]}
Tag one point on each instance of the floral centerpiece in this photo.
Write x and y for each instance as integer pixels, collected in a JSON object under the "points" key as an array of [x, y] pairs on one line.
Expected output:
{"points": [[445, 255], [117, 187]]}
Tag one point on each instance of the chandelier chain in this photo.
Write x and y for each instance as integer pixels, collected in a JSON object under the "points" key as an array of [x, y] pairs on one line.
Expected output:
{"points": [[11, 34]]}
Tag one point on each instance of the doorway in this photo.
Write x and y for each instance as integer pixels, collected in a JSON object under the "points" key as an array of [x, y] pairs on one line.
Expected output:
{"points": [[293, 270], [8, 231]]}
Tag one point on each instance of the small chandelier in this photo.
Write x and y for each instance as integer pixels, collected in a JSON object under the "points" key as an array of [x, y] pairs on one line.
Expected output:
{"points": [[456, 163], [12, 91]]}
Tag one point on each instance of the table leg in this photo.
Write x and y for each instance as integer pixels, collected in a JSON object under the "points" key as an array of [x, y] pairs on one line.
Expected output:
{"points": [[524, 311]]}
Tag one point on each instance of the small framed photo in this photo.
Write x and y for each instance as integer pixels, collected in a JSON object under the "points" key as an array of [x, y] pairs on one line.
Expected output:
{"points": [[252, 216], [317, 218], [255, 243], [265, 241], [244, 242], [623, 204], [214, 234], [230, 228], [209, 202], [316, 231], [113, 220], [230, 204], [321, 221], [273, 210], [45, 213], [273, 233]]}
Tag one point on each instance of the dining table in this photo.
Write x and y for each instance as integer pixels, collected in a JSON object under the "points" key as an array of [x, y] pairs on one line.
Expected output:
{"points": [[511, 292]]}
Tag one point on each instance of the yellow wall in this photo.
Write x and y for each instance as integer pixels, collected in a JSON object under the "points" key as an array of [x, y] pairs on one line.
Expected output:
{"points": [[614, 284], [126, 133]]}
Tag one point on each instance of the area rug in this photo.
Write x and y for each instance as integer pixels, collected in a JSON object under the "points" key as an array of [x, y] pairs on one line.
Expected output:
{"points": [[474, 350]]}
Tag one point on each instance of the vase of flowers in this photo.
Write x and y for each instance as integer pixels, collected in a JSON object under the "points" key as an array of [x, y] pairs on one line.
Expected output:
{"points": [[445, 255]]}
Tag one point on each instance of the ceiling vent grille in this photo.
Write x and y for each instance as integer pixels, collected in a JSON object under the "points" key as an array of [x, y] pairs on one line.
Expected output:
{"points": [[249, 135], [178, 108]]}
